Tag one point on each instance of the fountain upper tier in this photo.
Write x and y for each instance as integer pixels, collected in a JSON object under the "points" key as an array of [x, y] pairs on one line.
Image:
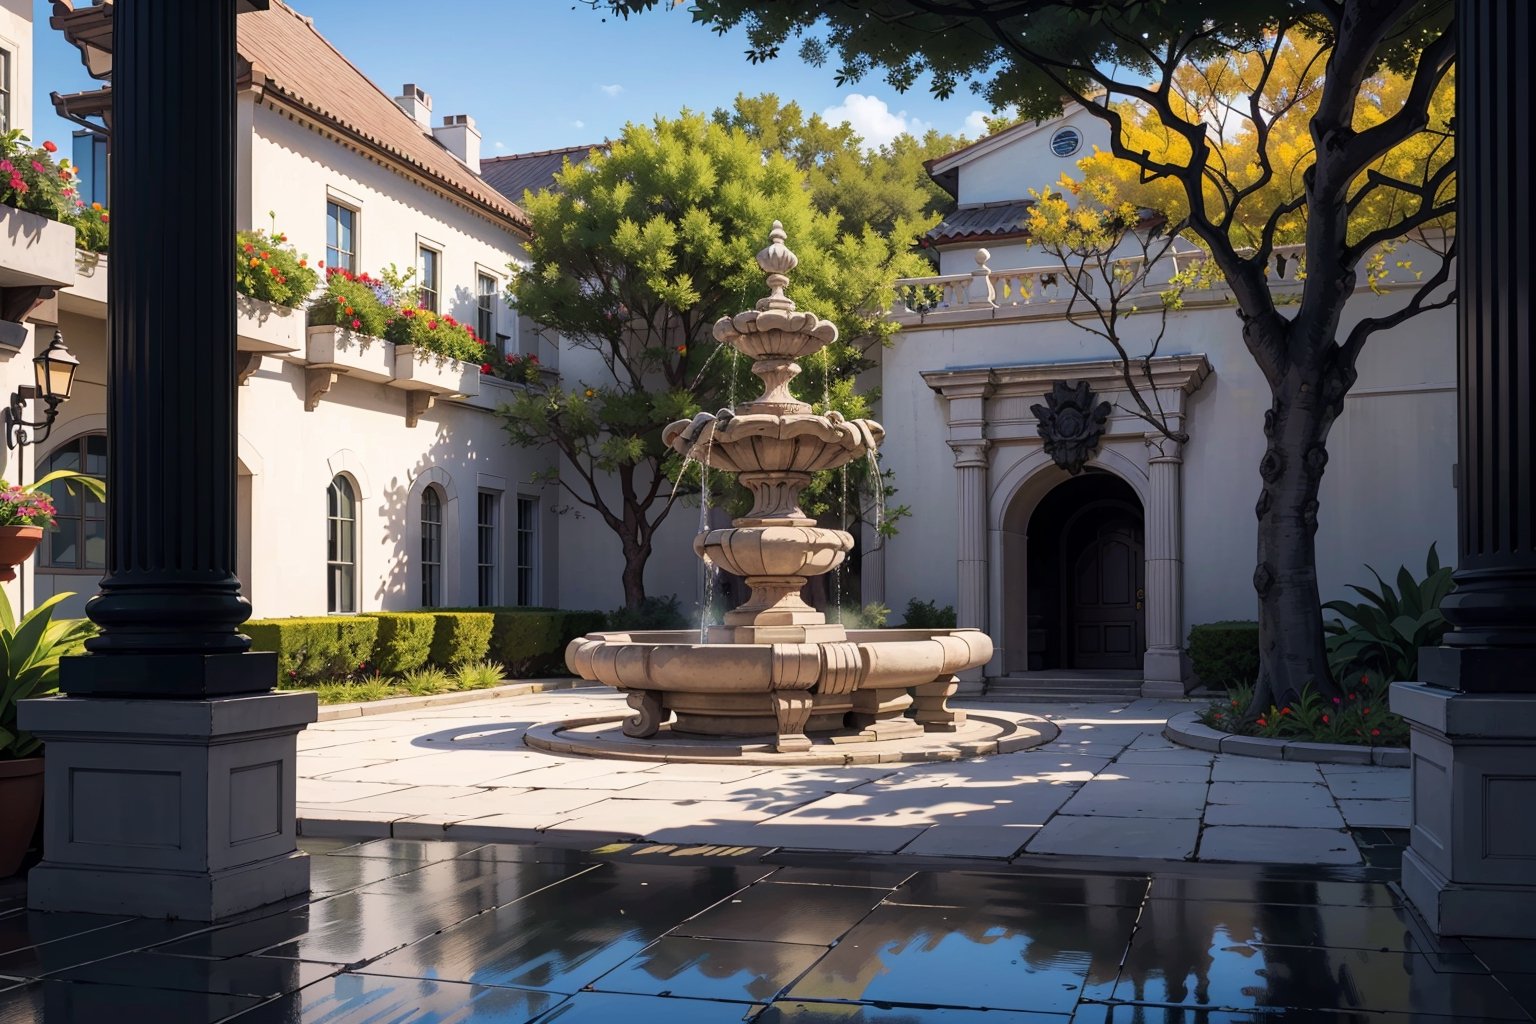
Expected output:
{"points": [[774, 442]]}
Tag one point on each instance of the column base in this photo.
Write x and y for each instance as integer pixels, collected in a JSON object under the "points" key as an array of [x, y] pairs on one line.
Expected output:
{"points": [[970, 683], [1471, 865], [1486, 911], [1165, 672], [168, 808]]}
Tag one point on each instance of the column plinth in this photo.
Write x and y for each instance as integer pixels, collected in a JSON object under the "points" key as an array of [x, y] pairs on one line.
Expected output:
{"points": [[971, 555], [1165, 669]]}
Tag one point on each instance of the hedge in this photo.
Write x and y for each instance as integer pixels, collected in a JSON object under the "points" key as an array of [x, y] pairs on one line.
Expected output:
{"points": [[318, 649], [531, 641], [1225, 653], [404, 642], [461, 638]]}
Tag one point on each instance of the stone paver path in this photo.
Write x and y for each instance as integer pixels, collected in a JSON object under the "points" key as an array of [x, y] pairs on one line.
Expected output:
{"points": [[1109, 786]]}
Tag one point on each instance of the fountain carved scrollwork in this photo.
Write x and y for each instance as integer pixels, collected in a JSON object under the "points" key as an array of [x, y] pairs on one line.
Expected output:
{"points": [[775, 666]]}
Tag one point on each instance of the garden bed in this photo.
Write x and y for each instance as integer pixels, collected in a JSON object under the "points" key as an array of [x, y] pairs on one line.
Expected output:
{"points": [[1187, 730], [389, 705]]}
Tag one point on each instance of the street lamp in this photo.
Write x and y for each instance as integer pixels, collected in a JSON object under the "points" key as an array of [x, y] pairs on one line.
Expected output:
{"points": [[54, 369]]}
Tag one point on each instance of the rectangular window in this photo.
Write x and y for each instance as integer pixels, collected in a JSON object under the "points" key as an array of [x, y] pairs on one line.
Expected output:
{"points": [[80, 539], [485, 307], [340, 236], [488, 542], [527, 550], [428, 272], [5, 90]]}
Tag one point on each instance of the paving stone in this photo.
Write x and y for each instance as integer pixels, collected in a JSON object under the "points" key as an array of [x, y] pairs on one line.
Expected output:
{"points": [[1376, 813], [1269, 845], [1136, 771], [450, 768], [1381, 784], [1175, 755], [1131, 799], [1286, 814], [1267, 794], [1106, 836], [414, 799], [1229, 768], [1001, 841], [848, 838], [316, 791]]}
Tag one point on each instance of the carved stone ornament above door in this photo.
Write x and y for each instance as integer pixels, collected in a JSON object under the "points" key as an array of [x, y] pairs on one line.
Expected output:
{"points": [[1071, 423]]}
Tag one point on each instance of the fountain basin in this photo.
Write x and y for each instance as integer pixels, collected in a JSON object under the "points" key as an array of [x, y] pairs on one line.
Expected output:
{"points": [[860, 685], [775, 550]]}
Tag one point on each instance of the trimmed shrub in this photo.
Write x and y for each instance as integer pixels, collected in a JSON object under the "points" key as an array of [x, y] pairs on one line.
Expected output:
{"points": [[581, 623], [531, 641], [318, 649], [404, 642], [1225, 653], [653, 613], [927, 615], [461, 637]]}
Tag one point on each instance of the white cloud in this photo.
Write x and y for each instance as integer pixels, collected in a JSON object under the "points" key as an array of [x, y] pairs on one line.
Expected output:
{"points": [[872, 120], [975, 125], [499, 145], [578, 124], [611, 90]]}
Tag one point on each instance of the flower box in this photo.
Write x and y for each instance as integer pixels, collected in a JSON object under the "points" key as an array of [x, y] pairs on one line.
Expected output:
{"points": [[418, 369], [266, 327], [357, 355], [35, 251]]}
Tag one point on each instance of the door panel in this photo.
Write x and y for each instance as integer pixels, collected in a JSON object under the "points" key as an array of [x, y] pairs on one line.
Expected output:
{"points": [[1106, 600]]}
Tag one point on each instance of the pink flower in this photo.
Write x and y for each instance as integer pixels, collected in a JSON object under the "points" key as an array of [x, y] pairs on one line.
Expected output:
{"points": [[356, 324], [38, 167], [431, 325]]}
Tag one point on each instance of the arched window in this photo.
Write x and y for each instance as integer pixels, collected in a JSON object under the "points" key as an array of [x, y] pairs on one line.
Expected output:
{"points": [[80, 542], [341, 546], [431, 548]]}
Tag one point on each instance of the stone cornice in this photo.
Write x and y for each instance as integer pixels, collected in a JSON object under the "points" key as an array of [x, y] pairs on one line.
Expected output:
{"points": [[1184, 373]]}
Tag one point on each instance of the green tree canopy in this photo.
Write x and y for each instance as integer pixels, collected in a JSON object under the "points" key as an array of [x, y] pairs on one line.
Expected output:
{"points": [[635, 254]]}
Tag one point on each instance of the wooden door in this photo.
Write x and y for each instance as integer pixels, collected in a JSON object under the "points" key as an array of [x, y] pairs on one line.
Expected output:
{"points": [[1106, 621]]}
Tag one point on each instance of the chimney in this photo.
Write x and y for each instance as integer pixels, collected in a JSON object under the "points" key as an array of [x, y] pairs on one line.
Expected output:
{"points": [[459, 135], [415, 101]]}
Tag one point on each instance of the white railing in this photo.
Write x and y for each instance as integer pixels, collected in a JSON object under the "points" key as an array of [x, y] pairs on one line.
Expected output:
{"points": [[985, 288]]}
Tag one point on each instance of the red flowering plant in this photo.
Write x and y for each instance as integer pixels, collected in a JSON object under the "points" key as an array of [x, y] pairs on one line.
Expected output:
{"points": [[269, 268], [92, 226], [30, 505], [351, 301], [31, 180], [410, 324], [516, 367], [1361, 716]]}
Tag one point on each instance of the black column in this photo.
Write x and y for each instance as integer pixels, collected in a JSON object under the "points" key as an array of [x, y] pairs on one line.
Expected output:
{"points": [[1493, 609], [170, 604]]}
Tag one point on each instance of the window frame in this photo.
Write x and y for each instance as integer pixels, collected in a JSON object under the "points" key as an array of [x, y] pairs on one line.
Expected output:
{"points": [[431, 547], [80, 444], [337, 567], [485, 305], [488, 547], [331, 251], [526, 553], [7, 93], [429, 292]]}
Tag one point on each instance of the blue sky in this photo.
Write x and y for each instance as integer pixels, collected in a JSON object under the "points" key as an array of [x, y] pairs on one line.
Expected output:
{"points": [[541, 74]]}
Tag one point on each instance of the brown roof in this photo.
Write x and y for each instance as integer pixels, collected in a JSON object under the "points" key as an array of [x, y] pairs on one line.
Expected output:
{"points": [[295, 66], [516, 173], [974, 223]]}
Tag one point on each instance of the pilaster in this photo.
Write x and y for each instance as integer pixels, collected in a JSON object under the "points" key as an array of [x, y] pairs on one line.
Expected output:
{"points": [[1165, 671]]}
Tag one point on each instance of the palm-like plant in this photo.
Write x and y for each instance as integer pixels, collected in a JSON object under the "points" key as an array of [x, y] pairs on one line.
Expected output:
{"points": [[30, 649], [1384, 633]]}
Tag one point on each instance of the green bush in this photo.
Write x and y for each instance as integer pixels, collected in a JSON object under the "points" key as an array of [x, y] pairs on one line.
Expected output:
{"points": [[423, 682], [270, 269], [653, 613], [479, 675], [404, 642], [461, 637], [1383, 633], [1225, 653], [320, 649], [927, 615], [531, 641]]}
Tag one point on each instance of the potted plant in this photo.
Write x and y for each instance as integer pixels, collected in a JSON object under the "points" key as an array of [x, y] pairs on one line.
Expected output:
{"points": [[26, 510], [30, 649]]}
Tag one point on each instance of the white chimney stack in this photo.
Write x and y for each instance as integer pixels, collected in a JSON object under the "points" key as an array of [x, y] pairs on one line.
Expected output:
{"points": [[460, 137], [415, 101]]}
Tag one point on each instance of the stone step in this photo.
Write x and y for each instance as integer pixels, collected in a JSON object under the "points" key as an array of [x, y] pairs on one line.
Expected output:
{"points": [[1076, 686]]}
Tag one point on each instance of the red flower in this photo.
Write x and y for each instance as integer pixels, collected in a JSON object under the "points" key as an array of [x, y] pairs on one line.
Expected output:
{"points": [[431, 325], [534, 360], [682, 350], [1375, 732], [1325, 719], [481, 341], [1285, 711], [249, 247], [50, 147], [356, 324], [1262, 722], [1364, 680], [1365, 711], [485, 367], [408, 312]]}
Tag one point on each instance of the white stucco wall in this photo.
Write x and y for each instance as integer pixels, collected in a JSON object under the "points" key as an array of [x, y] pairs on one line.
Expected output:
{"points": [[16, 38], [1007, 172], [1386, 496]]}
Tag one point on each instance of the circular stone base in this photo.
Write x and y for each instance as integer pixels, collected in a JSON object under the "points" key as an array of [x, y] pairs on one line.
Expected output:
{"points": [[982, 733]]}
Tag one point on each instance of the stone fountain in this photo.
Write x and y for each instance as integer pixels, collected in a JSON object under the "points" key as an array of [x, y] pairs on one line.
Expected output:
{"points": [[775, 667]]}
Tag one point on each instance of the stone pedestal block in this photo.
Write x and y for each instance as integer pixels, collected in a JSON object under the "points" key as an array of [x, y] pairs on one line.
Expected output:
{"points": [[1471, 865], [169, 808], [1165, 672]]}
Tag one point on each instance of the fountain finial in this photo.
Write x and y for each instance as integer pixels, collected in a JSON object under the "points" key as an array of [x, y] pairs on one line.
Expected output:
{"points": [[777, 261]]}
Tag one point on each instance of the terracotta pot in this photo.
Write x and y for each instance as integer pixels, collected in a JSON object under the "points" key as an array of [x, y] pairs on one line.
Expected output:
{"points": [[16, 546], [21, 801]]}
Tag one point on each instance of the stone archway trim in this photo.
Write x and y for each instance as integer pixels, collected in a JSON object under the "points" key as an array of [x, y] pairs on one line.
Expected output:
{"points": [[987, 407]]}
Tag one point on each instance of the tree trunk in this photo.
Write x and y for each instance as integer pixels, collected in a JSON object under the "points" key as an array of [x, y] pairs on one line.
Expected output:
{"points": [[635, 557], [1292, 653]]}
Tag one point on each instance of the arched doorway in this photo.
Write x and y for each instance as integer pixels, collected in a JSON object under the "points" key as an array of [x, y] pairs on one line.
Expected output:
{"points": [[1086, 577]]}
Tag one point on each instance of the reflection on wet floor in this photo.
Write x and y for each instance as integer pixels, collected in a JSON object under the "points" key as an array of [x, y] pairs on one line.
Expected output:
{"points": [[407, 932]]}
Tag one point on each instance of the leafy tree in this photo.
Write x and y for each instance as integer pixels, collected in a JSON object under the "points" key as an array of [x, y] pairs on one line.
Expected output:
{"points": [[635, 254], [1352, 160]]}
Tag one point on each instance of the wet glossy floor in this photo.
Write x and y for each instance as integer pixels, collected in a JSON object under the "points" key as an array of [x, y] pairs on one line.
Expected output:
{"points": [[405, 932]]}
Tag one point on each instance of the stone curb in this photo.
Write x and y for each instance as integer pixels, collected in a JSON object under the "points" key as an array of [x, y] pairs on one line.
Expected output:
{"points": [[1185, 730], [332, 712]]}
